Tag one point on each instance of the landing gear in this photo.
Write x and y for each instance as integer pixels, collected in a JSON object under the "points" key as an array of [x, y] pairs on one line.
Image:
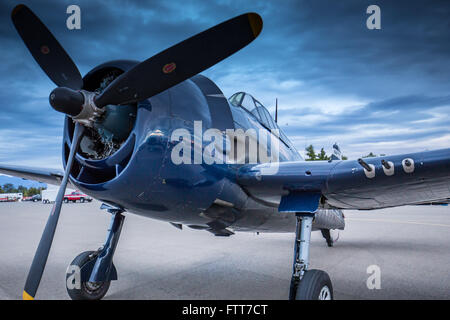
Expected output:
{"points": [[327, 236], [90, 273], [307, 284], [315, 285], [85, 290]]}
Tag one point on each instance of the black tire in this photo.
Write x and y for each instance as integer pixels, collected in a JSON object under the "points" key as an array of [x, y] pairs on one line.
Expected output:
{"points": [[315, 285], [293, 289], [66, 200], [82, 200], [88, 290]]}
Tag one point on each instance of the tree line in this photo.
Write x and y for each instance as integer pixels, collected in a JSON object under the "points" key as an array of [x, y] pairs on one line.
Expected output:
{"points": [[311, 154], [26, 192]]}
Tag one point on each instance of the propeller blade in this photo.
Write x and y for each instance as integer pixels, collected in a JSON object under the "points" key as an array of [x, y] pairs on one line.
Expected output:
{"points": [[41, 255], [45, 49], [182, 61]]}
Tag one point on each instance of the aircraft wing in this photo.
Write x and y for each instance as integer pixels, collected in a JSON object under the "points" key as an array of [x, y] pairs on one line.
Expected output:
{"points": [[50, 176], [416, 178]]}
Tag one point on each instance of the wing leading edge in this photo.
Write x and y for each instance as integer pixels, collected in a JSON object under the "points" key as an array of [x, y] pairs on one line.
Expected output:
{"points": [[416, 178], [50, 176]]}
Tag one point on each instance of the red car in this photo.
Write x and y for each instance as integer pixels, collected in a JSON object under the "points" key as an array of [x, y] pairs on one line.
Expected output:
{"points": [[77, 196]]}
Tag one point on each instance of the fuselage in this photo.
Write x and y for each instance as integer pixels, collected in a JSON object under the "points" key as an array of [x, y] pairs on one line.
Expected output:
{"points": [[142, 178]]}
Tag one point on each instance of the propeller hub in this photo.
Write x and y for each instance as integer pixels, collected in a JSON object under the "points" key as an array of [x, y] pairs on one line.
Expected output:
{"points": [[67, 101], [79, 105], [90, 112]]}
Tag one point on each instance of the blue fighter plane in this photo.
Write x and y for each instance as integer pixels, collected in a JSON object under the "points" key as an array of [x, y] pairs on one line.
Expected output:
{"points": [[119, 148]]}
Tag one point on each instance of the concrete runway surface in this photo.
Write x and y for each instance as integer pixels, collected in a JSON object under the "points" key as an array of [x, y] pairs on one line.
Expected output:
{"points": [[411, 245]]}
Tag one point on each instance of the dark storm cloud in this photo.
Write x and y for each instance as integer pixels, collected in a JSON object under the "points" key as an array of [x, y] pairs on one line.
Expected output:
{"points": [[396, 110], [335, 79], [333, 47]]}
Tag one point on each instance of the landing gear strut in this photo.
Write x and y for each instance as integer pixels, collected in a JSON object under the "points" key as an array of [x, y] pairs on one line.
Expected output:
{"points": [[327, 236], [90, 273], [307, 284]]}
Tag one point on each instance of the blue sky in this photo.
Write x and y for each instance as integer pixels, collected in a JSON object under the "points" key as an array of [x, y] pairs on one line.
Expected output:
{"points": [[382, 91]]}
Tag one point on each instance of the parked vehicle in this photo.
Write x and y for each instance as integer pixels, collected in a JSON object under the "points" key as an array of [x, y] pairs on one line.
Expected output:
{"points": [[77, 196], [49, 196], [34, 198], [5, 197]]}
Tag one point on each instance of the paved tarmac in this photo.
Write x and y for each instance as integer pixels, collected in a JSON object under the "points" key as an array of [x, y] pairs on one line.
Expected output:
{"points": [[410, 245]]}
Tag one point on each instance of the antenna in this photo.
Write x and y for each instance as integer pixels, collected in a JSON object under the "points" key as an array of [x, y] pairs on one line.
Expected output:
{"points": [[276, 110]]}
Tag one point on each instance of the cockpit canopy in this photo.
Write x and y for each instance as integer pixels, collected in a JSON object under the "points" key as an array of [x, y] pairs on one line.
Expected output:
{"points": [[246, 101], [255, 108]]}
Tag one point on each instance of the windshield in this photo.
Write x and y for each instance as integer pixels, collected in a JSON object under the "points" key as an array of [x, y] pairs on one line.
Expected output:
{"points": [[253, 106], [246, 101]]}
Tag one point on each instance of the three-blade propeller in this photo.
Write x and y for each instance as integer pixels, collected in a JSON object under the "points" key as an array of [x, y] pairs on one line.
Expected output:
{"points": [[148, 78]]}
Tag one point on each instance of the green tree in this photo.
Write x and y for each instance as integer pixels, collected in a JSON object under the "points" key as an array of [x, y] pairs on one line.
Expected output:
{"points": [[22, 190], [26, 192], [9, 188], [370, 155], [310, 153], [32, 191], [322, 155]]}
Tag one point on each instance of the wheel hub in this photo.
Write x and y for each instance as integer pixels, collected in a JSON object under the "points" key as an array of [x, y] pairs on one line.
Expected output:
{"points": [[93, 286], [325, 293]]}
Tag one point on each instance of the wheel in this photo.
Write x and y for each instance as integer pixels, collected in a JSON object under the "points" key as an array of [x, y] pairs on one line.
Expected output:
{"points": [[66, 200], [315, 285], [82, 200], [88, 290]]}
